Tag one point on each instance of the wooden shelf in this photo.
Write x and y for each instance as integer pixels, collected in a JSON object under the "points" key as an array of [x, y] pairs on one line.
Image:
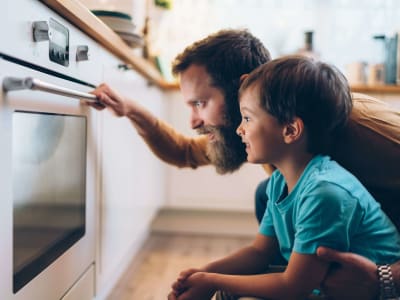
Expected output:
{"points": [[382, 89]]}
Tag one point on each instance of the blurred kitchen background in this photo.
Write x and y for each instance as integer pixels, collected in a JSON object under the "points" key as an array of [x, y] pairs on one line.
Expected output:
{"points": [[346, 33], [153, 220], [360, 38]]}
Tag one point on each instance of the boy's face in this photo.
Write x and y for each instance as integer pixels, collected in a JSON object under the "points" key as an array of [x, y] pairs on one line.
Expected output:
{"points": [[260, 131], [208, 116]]}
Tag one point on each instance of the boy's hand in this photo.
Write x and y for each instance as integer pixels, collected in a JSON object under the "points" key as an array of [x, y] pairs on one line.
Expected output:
{"points": [[178, 287], [194, 287]]}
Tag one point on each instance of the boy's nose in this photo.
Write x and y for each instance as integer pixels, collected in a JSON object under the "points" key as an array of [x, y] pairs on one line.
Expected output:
{"points": [[239, 130]]}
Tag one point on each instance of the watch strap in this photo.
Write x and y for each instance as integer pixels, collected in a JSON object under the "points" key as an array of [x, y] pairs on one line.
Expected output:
{"points": [[387, 287]]}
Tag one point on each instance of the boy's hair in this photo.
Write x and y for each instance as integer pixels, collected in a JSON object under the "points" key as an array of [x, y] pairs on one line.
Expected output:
{"points": [[226, 55], [296, 86]]}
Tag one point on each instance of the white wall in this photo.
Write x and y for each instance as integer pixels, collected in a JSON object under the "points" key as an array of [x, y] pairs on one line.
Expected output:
{"points": [[343, 28]]}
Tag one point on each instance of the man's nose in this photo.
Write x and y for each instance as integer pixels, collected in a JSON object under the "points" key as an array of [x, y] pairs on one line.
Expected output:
{"points": [[196, 121]]}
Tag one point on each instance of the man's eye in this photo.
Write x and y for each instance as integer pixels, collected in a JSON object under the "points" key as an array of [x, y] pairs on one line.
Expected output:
{"points": [[198, 103], [246, 119]]}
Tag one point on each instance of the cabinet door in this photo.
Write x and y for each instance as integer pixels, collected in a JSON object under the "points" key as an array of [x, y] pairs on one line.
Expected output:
{"points": [[132, 179]]}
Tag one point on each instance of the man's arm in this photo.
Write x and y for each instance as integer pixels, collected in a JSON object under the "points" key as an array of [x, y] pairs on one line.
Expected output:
{"points": [[165, 142], [396, 275]]}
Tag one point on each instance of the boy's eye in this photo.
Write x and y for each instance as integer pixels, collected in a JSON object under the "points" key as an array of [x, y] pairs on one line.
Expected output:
{"points": [[246, 119]]}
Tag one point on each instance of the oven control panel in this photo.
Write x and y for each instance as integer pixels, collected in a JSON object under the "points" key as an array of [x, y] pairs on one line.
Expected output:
{"points": [[58, 37], [58, 43], [41, 37]]}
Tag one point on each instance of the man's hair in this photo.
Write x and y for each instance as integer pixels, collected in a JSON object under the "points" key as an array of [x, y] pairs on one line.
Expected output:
{"points": [[226, 55], [296, 86]]}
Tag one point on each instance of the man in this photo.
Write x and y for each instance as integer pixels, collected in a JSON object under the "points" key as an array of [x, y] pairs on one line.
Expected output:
{"points": [[210, 72]]}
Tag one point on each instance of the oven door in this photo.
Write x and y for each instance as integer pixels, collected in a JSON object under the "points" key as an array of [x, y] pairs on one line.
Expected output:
{"points": [[48, 186]]}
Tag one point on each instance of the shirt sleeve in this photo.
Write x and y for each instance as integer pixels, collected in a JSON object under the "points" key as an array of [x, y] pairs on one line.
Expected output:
{"points": [[326, 216], [173, 147]]}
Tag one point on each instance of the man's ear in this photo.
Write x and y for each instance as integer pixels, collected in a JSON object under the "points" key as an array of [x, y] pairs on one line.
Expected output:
{"points": [[293, 131], [243, 77]]}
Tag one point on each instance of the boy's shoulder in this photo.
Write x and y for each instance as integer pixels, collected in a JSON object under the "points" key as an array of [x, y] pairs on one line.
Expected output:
{"points": [[321, 168], [329, 177]]}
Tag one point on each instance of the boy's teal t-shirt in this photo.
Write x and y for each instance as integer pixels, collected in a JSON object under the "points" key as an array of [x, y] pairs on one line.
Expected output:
{"points": [[328, 207]]}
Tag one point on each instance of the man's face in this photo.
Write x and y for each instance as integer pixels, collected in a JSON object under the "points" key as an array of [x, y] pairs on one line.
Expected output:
{"points": [[208, 116]]}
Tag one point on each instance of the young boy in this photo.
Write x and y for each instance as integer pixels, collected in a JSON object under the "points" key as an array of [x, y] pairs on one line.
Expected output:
{"points": [[290, 108]]}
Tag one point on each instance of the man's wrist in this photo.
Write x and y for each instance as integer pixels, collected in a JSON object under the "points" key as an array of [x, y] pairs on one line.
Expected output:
{"points": [[396, 274], [387, 285]]}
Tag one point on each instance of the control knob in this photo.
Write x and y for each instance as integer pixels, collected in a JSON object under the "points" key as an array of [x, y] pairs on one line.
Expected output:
{"points": [[82, 53], [40, 30]]}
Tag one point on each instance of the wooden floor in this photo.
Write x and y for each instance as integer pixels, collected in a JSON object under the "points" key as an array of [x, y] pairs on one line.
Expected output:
{"points": [[163, 257]]}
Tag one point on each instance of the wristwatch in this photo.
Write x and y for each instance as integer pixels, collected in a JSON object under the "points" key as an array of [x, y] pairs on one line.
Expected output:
{"points": [[388, 289]]}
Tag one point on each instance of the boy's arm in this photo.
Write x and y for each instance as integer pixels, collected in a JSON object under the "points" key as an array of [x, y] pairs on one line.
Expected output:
{"points": [[253, 259], [165, 142], [303, 274]]}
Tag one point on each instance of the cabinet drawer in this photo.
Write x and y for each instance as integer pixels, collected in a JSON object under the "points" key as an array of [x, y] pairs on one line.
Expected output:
{"points": [[83, 289]]}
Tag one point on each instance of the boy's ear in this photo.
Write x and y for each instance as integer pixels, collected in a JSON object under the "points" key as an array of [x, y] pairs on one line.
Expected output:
{"points": [[293, 131]]}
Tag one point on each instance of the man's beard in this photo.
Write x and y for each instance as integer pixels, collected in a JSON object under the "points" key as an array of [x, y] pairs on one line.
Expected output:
{"points": [[226, 151]]}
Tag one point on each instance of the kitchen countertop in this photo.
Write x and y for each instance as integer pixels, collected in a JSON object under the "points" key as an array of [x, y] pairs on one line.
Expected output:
{"points": [[81, 16]]}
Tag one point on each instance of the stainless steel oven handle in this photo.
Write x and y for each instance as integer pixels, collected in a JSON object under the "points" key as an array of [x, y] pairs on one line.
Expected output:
{"points": [[29, 83]]}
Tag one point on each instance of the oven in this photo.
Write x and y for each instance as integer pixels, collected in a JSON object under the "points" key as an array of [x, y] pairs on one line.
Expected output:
{"points": [[48, 155]]}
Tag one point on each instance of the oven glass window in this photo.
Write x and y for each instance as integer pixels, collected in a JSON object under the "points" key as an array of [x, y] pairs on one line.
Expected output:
{"points": [[49, 186]]}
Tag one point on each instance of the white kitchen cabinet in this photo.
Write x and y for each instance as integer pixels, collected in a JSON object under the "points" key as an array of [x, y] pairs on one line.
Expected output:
{"points": [[83, 289], [131, 179]]}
